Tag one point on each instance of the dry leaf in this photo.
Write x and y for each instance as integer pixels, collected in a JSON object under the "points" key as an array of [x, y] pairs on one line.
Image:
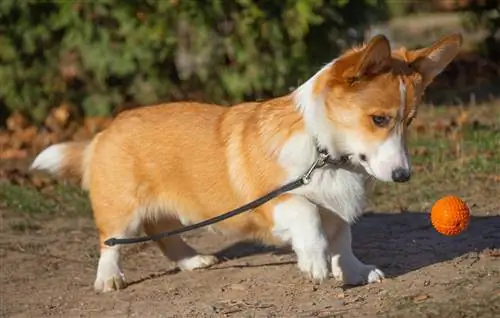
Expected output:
{"points": [[238, 287], [462, 118], [420, 151], [493, 253], [25, 136], [420, 298], [420, 128], [418, 168], [16, 122], [37, 181], [495, 178], [58, 118], [61, 114], [4, 139], [13, 154]]}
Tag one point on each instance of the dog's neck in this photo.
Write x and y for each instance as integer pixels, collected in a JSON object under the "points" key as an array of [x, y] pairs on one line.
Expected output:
{"points": [[312, 108]]}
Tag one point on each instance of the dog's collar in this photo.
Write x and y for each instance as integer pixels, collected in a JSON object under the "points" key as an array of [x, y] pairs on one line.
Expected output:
{"points": [[326, 159]]}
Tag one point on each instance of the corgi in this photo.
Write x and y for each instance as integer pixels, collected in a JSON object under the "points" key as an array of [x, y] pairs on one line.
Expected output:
{"points": [[160, 167]]}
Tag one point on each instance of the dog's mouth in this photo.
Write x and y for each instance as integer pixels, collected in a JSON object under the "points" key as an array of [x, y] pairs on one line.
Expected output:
{"points": [[395, 175], [361, 160]]}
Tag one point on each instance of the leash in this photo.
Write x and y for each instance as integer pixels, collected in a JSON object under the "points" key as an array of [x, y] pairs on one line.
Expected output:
{"points": [[322, 160]]}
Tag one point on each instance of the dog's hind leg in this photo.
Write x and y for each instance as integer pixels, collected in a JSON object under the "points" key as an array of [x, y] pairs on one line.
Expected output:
{"points": [[174, 247]]}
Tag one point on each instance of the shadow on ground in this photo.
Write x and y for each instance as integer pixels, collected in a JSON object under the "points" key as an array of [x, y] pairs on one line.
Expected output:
{"points": [[399, 243]]}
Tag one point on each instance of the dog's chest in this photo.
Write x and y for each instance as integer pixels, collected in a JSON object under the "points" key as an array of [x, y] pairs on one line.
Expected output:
{"points": [[341, 191]]}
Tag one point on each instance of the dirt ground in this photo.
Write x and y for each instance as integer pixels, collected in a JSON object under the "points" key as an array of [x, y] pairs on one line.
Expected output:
{"points": [[49, 272]]}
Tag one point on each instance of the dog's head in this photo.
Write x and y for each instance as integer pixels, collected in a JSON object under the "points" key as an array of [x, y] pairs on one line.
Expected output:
{"points": [[370, 96]]}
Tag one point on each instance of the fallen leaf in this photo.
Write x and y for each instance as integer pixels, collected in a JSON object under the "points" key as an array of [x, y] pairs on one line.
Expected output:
{"points": [[14, 176], [418, 168], [23, 137], [462, 118], [495, 178], [62, 114], [440, 126], [58, 118], [16, 122], [4, 138], [420, 298], [493, 253], [420, 151], [420, 128], [13, 154], [238, 287]]}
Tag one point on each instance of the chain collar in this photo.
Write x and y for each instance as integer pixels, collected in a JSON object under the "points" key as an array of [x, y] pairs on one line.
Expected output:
{"points": [[324, 159]]}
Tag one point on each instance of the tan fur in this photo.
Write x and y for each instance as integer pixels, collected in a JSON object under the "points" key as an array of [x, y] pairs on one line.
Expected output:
{"points": [[73, 162], [141, 160]]}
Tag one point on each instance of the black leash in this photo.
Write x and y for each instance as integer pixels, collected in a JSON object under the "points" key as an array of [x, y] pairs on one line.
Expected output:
{"points": [[322, 160]]}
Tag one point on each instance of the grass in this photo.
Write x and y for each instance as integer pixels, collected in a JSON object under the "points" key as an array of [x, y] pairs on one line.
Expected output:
{"points": [[26, 200], [64, 200]]}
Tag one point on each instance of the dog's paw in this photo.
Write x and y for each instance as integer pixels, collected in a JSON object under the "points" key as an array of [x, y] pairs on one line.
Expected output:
{"points": [[110, 284], [196, 262], [357, 274], [314, 265]]}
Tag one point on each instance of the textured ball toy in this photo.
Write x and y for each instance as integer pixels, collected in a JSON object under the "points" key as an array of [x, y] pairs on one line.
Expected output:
{"points": [[450, 215]]}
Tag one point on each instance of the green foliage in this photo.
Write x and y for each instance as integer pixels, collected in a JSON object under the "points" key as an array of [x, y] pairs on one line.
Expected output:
{"points": [[99, 55]]}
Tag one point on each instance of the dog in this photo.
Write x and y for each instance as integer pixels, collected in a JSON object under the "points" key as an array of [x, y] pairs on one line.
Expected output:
{"points": [[160, 167]]}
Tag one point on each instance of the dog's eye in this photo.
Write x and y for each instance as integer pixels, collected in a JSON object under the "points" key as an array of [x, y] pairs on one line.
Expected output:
{"points": [[381, 121]]}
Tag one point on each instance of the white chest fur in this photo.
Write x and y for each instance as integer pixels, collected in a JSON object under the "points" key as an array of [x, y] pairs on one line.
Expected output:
{"points": [[339, 190]]}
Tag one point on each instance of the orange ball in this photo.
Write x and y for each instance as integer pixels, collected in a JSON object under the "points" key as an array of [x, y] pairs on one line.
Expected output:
{"points": [[450, 215]]}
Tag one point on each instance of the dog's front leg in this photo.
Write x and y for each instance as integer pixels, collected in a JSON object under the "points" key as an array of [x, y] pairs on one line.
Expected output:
{"points": [[297, 221], [345, 265]]}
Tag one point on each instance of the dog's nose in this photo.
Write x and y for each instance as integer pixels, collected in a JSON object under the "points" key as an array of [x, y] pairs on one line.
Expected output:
{"points": [[400, 175]]}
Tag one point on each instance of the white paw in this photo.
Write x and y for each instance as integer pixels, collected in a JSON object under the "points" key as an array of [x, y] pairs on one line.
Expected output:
{"points": [[110, 284], [357, 273], [315, 265], [109, 276], [198, 261]]}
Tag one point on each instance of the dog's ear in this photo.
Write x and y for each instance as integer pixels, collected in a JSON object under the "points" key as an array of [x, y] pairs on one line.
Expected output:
{"points": [[357, 64], [371, 60], [431, 61]]}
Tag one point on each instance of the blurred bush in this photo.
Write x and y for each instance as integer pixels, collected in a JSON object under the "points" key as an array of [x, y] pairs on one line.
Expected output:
{"points": [[96, 56]]}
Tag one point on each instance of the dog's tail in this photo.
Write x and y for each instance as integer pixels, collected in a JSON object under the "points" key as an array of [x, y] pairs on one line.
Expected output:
{"points": [[66, 160]]}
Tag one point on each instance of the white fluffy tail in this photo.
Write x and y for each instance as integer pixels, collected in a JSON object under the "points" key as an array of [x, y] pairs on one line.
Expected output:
{"points": [[70, 159]]}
